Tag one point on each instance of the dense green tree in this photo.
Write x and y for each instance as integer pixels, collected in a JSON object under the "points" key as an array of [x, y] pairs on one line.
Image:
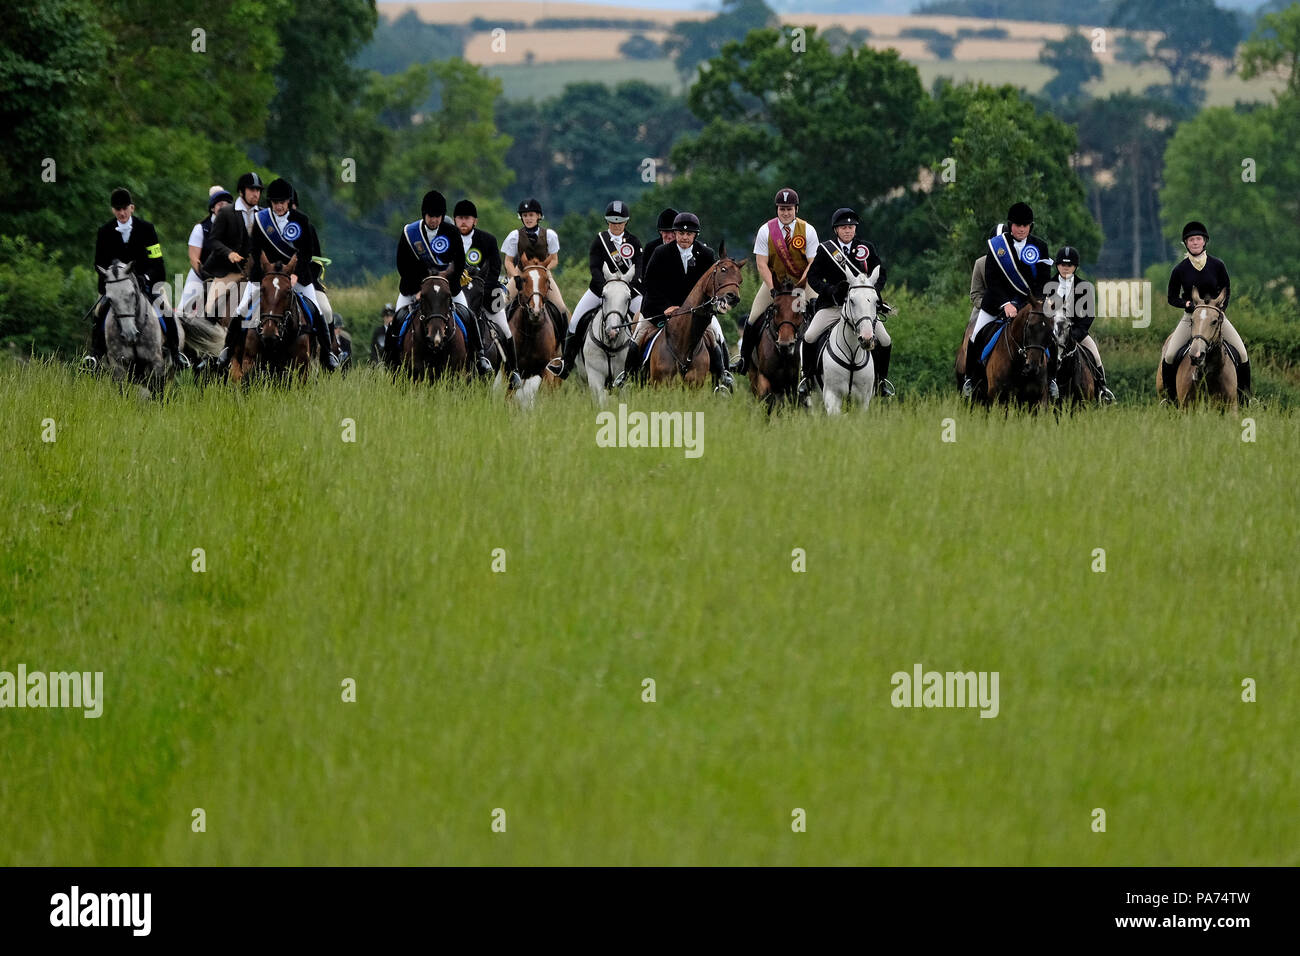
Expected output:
{"points": [[1238, 172], [1274, 47], [1075, 65], [692, 42], [1193, 34]]}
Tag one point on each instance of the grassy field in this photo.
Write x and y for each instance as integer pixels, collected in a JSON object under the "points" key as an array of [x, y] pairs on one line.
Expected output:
{"points": [[522, 690]]}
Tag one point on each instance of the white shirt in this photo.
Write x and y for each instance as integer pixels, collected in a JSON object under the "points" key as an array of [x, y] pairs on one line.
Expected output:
{"points": [[468, 241], [196, 235], [247, 211], [810, 250], [124, 229], [510, 248]]}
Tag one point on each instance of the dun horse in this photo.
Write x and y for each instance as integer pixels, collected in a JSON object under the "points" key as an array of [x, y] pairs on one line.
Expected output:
{"points": [[1206, 370]]}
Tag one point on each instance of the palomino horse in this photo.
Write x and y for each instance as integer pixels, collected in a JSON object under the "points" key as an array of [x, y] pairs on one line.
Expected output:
{"points": [[132, 336], [432, 345], [776, 359], [282, 341], [847, 371], [1075, 380], [537, 346], [608, 334], [679, 348], [1205, 370], [1016, 369]]}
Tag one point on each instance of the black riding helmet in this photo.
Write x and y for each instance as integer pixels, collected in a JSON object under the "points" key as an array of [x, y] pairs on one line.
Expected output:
{"points": [[1195, 228], [120, 198], [249, 180], [617, 211], [686, 222], [219, 196], [466, 208], [279, 191], [1020, 215], [845, 217], [531, 205], [434, 204], [666, 220], [1068, 256]]}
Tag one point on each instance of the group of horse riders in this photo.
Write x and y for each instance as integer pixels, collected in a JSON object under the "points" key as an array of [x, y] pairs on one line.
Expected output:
{"points": [[238, 238], [1021, 275]]}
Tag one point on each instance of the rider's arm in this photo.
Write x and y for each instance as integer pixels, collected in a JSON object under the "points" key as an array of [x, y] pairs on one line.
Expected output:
{"points": [[764, 272], [595, 262], [1225, 285], [1176, 297]]}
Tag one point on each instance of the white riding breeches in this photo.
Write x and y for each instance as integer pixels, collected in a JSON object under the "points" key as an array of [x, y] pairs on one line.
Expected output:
{"points": [[192, 294], [590, 300], [825, 318]]}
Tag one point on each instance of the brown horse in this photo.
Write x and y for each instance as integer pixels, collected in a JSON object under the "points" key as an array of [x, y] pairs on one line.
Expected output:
{"points": [[537, 345], [432, 345], [282, 341], [679, 348], [776, 359], [1206, 370], [1017, 367]]}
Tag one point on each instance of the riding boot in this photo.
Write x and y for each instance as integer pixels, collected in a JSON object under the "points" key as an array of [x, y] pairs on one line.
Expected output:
{"points": [[1169, 375], [722, 379], [328, 359], [880, 356], [98, 344], [1104, 394], [1243, 383], [511, 363], [634, 358], [974, 369], [748, 340], [573, 345], [474, 348]]}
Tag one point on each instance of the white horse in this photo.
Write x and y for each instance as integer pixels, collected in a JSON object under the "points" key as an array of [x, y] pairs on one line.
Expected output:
{"points": [[846, 367], [132, 336], [604, 350]]}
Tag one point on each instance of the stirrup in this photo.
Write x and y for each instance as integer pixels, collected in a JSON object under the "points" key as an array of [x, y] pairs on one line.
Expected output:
{"points": [[885, 387], [88, 364], [1053, 389], [484, 365], [180, 359], [514, 382], [1106, 396], [738, 365], [619, 380], [968, 388], [725, 383]]}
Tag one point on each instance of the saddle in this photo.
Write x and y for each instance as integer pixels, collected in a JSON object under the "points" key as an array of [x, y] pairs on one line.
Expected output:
{"points": [[987, 339], [1227, 346]]}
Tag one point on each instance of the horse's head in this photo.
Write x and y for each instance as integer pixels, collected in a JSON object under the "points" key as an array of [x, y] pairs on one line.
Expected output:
{"points": [[787, 323], [724, 279], [615, 303], [1060, 322], [1036, 334], [1207, 325], [861, 305], [532, 286], [436, 317], [122, 289], [277, 298]]}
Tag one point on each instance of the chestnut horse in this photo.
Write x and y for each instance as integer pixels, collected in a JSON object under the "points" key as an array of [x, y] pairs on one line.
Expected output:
{"points": [[678, 348], [282, 341], [432, 345], [537, 345], [1016, 369], [776, 358], [1205, 370]]}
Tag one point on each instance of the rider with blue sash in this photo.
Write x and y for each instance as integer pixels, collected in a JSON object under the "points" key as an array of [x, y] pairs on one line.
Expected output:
{"points": [[281, 233], [483, 261], [429, 245], [1017, 270]]}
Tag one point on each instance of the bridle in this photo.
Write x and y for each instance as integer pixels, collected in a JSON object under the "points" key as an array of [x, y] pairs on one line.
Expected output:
{"points": [[727, 294], [621, 327], [448, 322], [135, 297], [1025, 347], [1216, 337], [279, 319], [773, 327]]}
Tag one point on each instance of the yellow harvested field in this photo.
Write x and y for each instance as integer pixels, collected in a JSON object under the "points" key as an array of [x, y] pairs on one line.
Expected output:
{"points": [[1024, 39]]}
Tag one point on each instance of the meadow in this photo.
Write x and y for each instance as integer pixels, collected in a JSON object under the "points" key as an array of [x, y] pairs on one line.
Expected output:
{"points": [[514, 679]]}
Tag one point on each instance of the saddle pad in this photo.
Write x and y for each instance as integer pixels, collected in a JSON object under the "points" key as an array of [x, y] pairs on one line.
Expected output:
{"points": [[1232, 353], [993, 340], [650, 345]]}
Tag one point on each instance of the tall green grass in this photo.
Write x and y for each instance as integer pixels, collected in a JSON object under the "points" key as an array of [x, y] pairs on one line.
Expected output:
{"points": [[522, 690]]}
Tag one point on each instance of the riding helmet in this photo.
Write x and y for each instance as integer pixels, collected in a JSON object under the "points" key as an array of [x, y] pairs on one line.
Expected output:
{"points": [[465, 208], [787, 197], [121, 198], [1068, 256], [1020, 215], [1195, 228], [617, 211], [249, 181], [845, 216], [686, 222], [434, 204], [279, 190], [530, 205], [219, 196]]}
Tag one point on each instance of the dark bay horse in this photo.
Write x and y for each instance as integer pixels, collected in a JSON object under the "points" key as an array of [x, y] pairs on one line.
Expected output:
{"points": [[1016, 369], [433, 346], [1205, 370], [282, 342], [679, 348], [776, 358]]}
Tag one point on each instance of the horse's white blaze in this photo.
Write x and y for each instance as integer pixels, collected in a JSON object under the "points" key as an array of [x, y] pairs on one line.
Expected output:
{"points": [[536, 276]]}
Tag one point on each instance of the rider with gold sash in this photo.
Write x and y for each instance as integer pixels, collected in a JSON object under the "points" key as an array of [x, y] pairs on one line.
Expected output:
{"points": [[784, 248]]}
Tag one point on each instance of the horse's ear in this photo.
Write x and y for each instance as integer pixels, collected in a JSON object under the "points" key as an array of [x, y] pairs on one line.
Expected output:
{"points": [[1218, 299], [519, 283], [609, 273], [874, 276], [288, 266], [722, 249], [102, 269], [266, 263], [130, 268], [740, 263]]}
